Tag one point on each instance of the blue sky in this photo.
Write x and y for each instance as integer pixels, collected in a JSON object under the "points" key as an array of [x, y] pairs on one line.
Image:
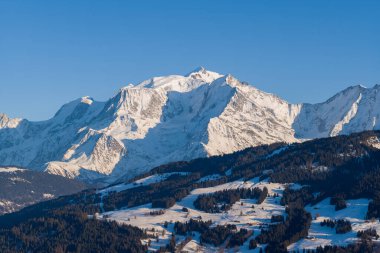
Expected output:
{"points": [[52, 52]]}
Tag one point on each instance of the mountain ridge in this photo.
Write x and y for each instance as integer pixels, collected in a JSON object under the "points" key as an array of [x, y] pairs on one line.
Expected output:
{"points": [[171, 118]]}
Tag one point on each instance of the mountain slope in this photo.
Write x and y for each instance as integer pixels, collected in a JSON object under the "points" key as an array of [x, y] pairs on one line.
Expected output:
{"points": [[22, 187], [274, 197], [173, 118]]}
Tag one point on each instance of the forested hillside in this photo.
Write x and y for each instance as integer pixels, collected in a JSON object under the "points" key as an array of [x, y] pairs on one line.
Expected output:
{"points": [[272, 197], [21, 187]]}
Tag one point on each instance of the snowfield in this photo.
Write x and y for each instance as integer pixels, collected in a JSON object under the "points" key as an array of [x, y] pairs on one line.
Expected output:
{"points": [[243, 216], [320, 236]]}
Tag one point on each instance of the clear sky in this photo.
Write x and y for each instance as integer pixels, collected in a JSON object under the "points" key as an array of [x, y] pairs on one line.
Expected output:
{"points": [[52, 52]]}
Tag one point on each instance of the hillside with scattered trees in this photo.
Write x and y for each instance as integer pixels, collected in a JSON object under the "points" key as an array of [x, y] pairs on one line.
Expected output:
{"points": [[315, 165]]}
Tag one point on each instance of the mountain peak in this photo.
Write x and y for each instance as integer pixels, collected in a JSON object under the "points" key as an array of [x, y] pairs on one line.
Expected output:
{"points": [[200, 73], [7, 122], [87, 100], [228, 80], [358, 86], [199, 69], [180, 83], [354, 90]]}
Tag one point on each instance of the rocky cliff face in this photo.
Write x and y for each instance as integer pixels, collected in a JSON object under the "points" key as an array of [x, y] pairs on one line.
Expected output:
{"points": [[174, 118]]}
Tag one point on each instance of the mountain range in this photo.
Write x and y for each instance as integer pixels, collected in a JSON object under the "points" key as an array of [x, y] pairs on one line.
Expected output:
{"points": [[173, 118]]}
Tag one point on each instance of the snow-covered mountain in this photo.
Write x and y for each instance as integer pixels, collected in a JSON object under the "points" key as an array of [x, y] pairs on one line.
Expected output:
{"points": [[172, 118]]}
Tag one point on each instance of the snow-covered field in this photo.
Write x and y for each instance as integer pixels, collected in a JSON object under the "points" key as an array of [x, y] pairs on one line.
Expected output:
{"points": [[319, 236], [241, 215]]}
